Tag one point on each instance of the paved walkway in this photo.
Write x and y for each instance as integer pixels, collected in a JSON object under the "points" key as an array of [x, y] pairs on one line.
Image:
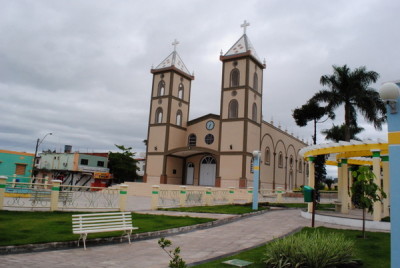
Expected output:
{"points": [[195, 246]]}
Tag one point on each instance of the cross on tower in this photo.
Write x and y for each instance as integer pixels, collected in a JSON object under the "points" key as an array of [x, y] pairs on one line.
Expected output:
{"points": [[175, 43], [245, 25]]}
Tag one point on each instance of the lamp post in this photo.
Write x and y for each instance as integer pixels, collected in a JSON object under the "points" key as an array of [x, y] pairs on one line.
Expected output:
{"points": [[38, 142], [389, 92]]}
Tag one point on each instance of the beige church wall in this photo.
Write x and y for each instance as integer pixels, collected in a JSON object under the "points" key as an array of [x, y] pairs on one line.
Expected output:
{"points": [[232, 134], [174, 109], [242, 69], [154, 165], [252, 68], [230, 170], [201, 131], [227, 97], [174, 165], [254, 98], [177, 138], [156, 139], [154, 107], [186, 85], [253, 137], [157, 79]]}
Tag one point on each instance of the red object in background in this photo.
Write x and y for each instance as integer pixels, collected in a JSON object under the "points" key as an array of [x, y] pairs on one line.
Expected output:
{"points": [[98, 183]]}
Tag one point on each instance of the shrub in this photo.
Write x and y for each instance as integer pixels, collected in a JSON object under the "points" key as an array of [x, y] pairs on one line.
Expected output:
{"points": [[311, 249]]}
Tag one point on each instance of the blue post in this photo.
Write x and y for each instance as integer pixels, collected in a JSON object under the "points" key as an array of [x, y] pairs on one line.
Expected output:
{"points": [[390, 94], [256, 176]]}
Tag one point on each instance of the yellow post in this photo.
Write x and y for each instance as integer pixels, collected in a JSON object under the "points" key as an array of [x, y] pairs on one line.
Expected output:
{"points": [[3, 182], [231, 195], [55, 192], [123, 194], [311, 178], [386, 184], [376, 168], [345, 188], [182, 196], [208, 196], [154, 197], [279, 192], [249, 194]]}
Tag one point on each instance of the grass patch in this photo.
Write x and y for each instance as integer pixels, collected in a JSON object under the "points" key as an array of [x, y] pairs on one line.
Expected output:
{"points": [[373, 251], [21, 227], [221, 209]]}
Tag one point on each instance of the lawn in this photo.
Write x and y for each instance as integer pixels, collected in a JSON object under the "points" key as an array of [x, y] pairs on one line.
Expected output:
{"points": [[21, 227], [373, 251], [221, 209]]}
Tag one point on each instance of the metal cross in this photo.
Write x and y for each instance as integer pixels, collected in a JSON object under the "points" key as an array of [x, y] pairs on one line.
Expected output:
{"points": [[175, 43], [245, 25]]}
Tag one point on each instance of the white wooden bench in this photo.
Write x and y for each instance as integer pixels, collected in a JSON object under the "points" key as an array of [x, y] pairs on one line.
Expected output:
{"points": [[84, 224]]}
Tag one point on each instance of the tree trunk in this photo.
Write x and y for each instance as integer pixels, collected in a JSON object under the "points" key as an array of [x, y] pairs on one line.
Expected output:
{"points": [[347, 121], [363, 226]]}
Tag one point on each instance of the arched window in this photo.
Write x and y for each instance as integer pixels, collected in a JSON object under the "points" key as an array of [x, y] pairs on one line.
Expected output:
{"points": [[254, 112], [233, 109], [235, 75], [192, 140], [179, 118], [255, 82], [159, 115], [280, 160], [180, 91], [161, 88], [291, 161], [267, 156], [300, 166]]}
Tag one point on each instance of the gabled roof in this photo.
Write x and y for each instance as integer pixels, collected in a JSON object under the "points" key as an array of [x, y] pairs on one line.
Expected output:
{"points": [[173, 60], [243, 45]]}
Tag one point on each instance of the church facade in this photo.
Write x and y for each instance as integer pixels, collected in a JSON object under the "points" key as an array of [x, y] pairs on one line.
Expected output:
{"points": [[216, 149]]}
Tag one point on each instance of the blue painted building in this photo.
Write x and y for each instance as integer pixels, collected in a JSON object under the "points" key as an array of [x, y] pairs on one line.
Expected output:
{"points": [[16, 164]]}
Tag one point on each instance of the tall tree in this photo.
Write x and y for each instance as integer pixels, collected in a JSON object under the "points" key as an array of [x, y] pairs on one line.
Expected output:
{"points": [[336, 133], [122, 165], [351, 89]]}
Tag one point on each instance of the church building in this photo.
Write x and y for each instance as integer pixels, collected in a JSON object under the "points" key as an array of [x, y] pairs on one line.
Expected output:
{"points": [[216, 149]]}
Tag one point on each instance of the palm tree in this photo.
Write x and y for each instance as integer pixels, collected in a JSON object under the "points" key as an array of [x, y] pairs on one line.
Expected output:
{"points": [[351, 89], [336, 133]]}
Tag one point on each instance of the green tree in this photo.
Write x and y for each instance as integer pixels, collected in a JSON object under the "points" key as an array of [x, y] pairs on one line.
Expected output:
{"points": [[351, 89], [365, 192], [122, 165], [337, 133], [176, 260]]}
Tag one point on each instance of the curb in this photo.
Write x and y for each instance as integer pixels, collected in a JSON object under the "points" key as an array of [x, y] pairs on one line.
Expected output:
{"points": [[30, 248]]}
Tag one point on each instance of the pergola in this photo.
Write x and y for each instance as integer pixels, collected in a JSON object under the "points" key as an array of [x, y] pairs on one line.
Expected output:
{"points": [[346, 154]]}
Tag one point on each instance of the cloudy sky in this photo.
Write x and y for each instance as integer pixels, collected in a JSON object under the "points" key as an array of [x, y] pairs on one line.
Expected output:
{"points": [[81, 69]]}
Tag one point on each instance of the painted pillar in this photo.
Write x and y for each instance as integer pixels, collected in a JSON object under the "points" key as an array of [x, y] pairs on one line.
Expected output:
{"points": [[386, 184], [154, 197], [209, 196], [340, 181], [256, 177], [311, 178], [231, 195], [249, 194], [3, 182], [55, 192], [345, 187], [182, 196], [376, 168], [123, 194]]}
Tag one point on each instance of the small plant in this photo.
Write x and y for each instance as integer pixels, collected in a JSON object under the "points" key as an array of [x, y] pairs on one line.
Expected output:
{"points": [[176, 261], [310, 249]]}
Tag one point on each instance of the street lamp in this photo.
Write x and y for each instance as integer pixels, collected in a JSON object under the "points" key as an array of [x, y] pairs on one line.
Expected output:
{"points": [[389, 92], [38, 142]]}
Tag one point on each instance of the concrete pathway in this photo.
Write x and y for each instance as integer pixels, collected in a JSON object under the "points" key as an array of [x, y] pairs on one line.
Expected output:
{"points": [[195, 246]]}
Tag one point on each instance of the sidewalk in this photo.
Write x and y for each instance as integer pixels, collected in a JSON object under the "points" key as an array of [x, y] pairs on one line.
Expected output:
{"points": [[195, 246]]}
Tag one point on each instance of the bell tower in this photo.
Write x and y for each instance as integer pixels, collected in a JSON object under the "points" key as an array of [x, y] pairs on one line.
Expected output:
{"points": [[169, 113], [240, 110]]}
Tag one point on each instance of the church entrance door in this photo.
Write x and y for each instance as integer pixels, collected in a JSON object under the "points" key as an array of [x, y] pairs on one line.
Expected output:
{"points": [[189, 173], [207, 171]]}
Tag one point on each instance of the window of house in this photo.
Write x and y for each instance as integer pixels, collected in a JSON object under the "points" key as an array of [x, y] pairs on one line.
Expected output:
{"points": [[180, 91], [179, 118], [291, 161], [161, 88], [192, 140], [254, 112], [300, 166], [233, 109], [280, 160], [255, 82], [209, 139], [235, 74], [100, 163], [20, 169], [267, 156], [159, 115], [84, 161]]}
